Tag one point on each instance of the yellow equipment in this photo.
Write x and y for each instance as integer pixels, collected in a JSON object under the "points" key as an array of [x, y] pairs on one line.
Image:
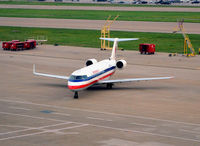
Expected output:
{"points": [[105, 33], [187, 42]]}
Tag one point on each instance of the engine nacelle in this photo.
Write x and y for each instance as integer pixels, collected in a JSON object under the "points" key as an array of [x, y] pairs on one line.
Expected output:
{"points": [[121, 64], [90, 62]]}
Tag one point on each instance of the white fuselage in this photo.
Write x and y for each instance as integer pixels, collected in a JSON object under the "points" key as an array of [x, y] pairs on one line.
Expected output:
{"points": [[89, 75]]}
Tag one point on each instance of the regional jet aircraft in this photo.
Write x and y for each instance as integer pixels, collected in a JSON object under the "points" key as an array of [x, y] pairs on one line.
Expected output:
{"points": [[95, 73]]}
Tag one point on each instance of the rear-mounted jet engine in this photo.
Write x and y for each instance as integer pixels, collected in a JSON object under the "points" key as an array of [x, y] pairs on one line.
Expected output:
{"points": [[90, 62]]}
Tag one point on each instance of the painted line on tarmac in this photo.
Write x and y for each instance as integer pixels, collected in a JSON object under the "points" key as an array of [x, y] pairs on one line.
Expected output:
{"points": [[147, 125], [65, 133], [66, 128], [35, 128], [19, 108], [42, 127], [16, 131], [99, 112], [62, 114], [190, 131], [148, 133], [25, 135], [35, 117], [100, 126], [15, 126], [46, 131], [101, 119]]}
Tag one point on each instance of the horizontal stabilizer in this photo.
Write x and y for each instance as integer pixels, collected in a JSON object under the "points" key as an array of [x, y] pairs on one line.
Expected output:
{"points": [[119, 40]]}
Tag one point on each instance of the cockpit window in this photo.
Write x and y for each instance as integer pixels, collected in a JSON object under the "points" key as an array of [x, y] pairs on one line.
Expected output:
{"points": [[72, 77]]}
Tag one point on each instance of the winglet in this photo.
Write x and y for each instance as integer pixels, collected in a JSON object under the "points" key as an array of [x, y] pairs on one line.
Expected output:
{"points": [[48, 75]]}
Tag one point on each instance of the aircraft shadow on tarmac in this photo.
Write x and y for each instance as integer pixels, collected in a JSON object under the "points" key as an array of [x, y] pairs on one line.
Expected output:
{"points": [[91, 91], [136, 87], [115, 87]]}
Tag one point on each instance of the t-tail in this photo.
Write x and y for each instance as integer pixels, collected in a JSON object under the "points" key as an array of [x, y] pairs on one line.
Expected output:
{"points": [[115, 44]]}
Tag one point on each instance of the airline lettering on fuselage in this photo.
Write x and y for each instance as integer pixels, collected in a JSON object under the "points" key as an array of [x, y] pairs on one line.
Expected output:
{"points": [[96, 71]]}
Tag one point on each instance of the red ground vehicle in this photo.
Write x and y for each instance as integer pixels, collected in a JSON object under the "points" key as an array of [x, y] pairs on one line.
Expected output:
{"points": [[147, 48], [17, 46], [30, 44], [7, 45]]}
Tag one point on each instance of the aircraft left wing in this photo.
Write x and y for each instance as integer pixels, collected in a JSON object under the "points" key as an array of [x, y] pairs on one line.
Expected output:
{"points": [[49, 75], [132, 80]]}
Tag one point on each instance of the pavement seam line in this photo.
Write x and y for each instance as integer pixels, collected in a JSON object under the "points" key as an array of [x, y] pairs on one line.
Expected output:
{"points": [[107, 127], [122, 115]]}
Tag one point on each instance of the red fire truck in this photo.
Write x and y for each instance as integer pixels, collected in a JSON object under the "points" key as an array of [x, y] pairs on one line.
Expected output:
{"points": [[30, 44], [147, 48], [7, 45], [16, 46]]}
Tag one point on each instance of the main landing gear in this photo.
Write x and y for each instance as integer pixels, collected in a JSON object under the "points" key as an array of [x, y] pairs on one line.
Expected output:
{"points": [[109, 86], [75, 95]]}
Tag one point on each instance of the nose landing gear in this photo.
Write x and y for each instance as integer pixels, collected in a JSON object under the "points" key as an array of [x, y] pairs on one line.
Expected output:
{"points": [[75, 95]]}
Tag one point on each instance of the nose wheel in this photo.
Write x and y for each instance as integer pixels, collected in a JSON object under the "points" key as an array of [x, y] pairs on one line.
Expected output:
{"points": [[75, 95]]}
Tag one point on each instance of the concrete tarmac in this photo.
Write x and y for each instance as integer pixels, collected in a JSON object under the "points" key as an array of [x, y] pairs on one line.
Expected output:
{"points": [[134, 26], [41, 111]]}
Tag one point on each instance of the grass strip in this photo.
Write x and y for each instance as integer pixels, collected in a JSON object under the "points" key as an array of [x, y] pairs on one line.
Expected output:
{"points": [[164, 42], [193, 17]]}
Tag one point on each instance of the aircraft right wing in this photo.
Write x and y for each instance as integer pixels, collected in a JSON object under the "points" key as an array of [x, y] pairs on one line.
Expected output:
{"points": [[132, 80], [49, 75]]}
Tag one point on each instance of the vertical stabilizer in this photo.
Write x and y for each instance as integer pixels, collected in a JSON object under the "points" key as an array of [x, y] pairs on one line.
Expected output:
{"points": [[115, 47]]}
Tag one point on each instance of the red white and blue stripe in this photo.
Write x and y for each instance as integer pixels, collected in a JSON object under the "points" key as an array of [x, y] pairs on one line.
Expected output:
{"points": [[89, 81]]}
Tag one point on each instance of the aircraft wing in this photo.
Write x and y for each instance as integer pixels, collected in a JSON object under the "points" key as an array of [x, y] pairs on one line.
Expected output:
{"points": [[132, 80], [49, 75]]}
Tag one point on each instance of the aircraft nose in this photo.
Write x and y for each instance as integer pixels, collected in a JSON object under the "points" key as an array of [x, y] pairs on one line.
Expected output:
{"points": [[68, 84], [70, 87]]}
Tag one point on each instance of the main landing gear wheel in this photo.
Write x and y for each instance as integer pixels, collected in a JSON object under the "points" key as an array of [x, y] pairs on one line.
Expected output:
{"points": [[109, 86], [76, 95]]}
